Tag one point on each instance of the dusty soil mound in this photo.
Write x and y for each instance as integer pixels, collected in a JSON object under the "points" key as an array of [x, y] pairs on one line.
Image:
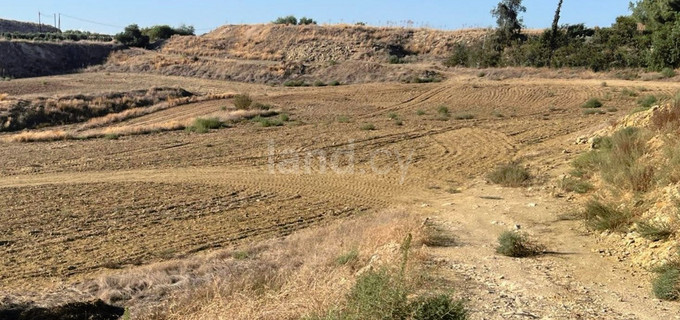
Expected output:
{"points": [[25, 27], [21, 59], [96, 310], [320, 43], [276, 53]]}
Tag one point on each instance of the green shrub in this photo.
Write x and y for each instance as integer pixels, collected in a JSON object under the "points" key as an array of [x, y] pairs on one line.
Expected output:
{"points": [[334, 83], [647, 101], [464, 116], [655, 231], [510, 175], [668, 73], [111, 136], [348, 257], [516, 245], [306, 21], [240, 255], [319, 83], [575, 185], [603, 217], [593, 103], [395, 60], [132, 37], [666, 286], [266, 122], [242, 101], [420, 112], [367, 127], [261, 106], [286, 20], [393, 116], [203, 125], [343, 119], [163, 32], [438, 307], [295, 83], [378, 295]]}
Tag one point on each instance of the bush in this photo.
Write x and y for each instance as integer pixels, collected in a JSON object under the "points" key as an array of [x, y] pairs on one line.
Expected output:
{"points": [[377, 295], [516, 245], [603, 217], [295, 83], [395, 60], [668, 73], [132, 37], [666, 286], [575, 185], [367, 127], [647, 101], [343, 119], [334, 83], [420, 112], [268, 122], [510, 175], [464, 116], [306, 21], [203, 125], [348, 257], [319, 83], [242, 101], [655, 231], [593, 103], [439, 307], [286, 20], [163, 32]]}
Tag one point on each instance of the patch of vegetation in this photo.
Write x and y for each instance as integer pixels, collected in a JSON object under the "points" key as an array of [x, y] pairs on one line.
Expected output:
{"points": [[395, 60], [576, 185], [510, 175], [443, 113], [240, 255], [295, 83], [668, 73], [266, 122], [629, 92], [602, 217], [319, 83], [592, 103], [420, 112], [242, 101], [655, 231], [647, 101], [261, 106], [517, 245], [367, 127], [334, 83], [617, 160], [666, 286], [111, 136], [132, 37], [416, 79], [344, 119], [203, 125], [393, 116], [292, 20], [163, 32], [439, 307], [464, 116], [436, 236], [349, 257]]}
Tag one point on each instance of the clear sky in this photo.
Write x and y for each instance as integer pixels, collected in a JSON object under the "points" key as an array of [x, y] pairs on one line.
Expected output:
{"points": [[205, 15]]}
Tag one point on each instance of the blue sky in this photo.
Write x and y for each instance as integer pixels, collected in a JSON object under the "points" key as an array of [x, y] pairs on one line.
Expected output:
{"points": [[209, 14]]}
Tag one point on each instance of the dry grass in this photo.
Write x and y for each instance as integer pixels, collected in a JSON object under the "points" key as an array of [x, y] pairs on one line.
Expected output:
{"points": [[39, 136], [280, 279]]}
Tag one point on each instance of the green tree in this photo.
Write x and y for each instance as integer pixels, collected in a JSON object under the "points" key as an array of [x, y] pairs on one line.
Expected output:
{"points": [[305, 21], [555, 29], [655, 13], [132, 37], [509, 23], [286, 20]]}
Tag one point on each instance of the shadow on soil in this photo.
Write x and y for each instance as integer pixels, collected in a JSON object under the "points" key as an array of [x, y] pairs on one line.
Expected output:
{"points": [[96, 310]]}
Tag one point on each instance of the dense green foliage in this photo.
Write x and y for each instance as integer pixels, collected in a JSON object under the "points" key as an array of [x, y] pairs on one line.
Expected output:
{"points": [[71, 35], [133, 37], [163, 32], [623, 45], [292, 20]]}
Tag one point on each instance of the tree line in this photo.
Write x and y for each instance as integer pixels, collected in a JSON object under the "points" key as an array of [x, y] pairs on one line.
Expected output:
{"points": [[648, 38]]}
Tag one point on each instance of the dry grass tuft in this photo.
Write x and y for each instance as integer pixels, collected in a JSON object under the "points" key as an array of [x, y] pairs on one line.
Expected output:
{"points": [[39, 136]]}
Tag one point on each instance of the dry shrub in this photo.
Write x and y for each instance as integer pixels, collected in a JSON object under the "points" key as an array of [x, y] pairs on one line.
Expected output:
{"points": [[3, 96], [39, 136], [122, 116], [667, 118], [278, 279]]}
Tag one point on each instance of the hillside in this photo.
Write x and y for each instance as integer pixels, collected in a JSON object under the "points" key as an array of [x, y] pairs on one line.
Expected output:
{"points": [[21, 59], [25, 27], [276, 53]]}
